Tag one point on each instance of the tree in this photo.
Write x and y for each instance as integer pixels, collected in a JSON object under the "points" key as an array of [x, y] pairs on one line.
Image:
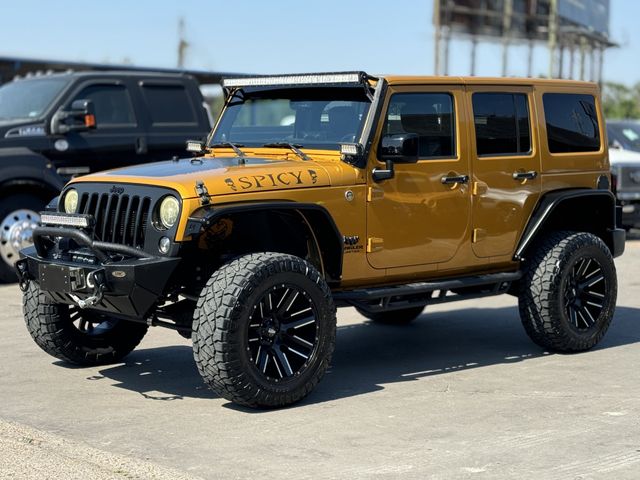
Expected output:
{"points": [[621, 101]]}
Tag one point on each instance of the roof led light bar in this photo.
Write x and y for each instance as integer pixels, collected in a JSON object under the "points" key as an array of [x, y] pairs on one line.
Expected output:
{"points": [[305, 79]]}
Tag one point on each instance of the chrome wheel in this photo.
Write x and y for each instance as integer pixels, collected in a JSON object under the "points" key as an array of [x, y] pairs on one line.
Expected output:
{"points": [[584, 294], [16, 233], [282, 332]]}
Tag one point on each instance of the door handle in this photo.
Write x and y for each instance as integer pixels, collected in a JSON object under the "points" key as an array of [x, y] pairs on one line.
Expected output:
{"points": [[530, 175], [141, 145], [451, 179]]}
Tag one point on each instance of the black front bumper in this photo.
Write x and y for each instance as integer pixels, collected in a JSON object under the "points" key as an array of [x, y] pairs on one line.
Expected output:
{"points": [[130, 286]]}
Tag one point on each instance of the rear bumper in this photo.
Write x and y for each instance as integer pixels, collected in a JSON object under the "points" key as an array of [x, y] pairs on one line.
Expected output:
{"points": [[130, 287]]}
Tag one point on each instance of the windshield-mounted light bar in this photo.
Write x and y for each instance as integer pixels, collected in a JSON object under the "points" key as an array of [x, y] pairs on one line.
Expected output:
{"points": [[66, 219], [297, 79]]}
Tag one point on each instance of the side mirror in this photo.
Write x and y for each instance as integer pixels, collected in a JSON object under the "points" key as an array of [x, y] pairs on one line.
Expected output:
{"points": [[79, 118], [399, 148], [395, 148]]}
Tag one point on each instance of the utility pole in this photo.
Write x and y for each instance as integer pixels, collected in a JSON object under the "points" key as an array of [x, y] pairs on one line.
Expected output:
{"points": [[438, 35], [553, 35], [506, 33], [183, 45]]}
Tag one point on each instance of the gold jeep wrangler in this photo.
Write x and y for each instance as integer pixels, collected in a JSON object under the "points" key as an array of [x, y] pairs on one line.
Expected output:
{"points": [[341, 189]]}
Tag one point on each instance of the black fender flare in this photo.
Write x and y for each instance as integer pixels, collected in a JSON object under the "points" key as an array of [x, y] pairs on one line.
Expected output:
{"points": [[328, 238], [20, 166], [558, 202]]}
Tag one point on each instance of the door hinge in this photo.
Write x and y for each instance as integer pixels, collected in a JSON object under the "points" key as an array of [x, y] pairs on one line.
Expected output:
{"points": [[374, 244], [478, 235], [479, 188], [374, 193]]}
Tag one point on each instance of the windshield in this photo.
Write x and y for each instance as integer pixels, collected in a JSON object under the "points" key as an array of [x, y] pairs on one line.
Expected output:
{"points": [[28, 99], [319, 118], [627, 134]]}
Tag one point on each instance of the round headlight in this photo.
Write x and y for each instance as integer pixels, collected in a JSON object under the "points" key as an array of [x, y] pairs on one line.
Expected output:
{"points": [[169, 210], [71, 201]]}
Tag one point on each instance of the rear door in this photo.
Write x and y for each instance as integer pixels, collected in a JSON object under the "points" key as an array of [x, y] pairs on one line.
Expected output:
{"points": [[173, 116], [506, 167]]}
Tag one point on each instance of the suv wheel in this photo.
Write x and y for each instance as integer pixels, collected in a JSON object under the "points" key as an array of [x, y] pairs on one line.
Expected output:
{"points": [[568, 293], [264, 330], [393, 317], [18, 217], [77, 336]]}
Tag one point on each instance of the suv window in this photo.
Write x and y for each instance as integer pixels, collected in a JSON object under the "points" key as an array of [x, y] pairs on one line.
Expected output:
{"points": [[169, 104], [430, 116], [502, 123], [572, 122], [111, 102]]}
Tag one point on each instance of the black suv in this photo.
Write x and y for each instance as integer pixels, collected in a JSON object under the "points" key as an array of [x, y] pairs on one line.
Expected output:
{"points": [[58, 126]]}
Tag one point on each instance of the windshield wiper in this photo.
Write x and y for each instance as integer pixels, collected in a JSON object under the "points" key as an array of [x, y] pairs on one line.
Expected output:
{"points": [[296, 148], [233, 146]]}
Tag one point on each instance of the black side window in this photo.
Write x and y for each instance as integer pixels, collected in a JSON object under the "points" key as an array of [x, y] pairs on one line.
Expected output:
{"points": [[502, 123], [572, 122], [430, 116], [111, 102], [169, 104]]}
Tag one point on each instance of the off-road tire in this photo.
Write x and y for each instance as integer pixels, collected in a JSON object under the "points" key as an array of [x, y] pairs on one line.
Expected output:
{"points": [[222, 322], [545, 292], [52, 328], [393, 317]]}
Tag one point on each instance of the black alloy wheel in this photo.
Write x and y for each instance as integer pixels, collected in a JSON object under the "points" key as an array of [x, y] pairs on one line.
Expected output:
{"points": [[283, 332], [584, 293]]}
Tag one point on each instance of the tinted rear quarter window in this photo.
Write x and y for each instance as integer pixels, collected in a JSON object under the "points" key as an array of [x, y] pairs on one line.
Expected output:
{"points": [[169, 104], [502, 123], [572, 122]]}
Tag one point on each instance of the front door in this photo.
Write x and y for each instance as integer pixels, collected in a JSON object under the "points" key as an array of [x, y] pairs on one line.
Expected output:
{"points": [[117, 140], [506, 167], [421, 215]]}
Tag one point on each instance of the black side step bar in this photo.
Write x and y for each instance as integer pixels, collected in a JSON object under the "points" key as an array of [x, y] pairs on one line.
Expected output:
{"points": [[397, 297]]}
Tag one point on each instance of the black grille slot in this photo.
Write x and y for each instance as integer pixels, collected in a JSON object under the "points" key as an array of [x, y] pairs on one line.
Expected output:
{"points": [[120, 219]]}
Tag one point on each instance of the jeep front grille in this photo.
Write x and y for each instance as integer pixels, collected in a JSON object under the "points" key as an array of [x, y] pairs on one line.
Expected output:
{"points": [[120, 219]]}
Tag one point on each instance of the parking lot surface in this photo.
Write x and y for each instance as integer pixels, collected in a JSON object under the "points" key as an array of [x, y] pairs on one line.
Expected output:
{"points": [[461, 393]]}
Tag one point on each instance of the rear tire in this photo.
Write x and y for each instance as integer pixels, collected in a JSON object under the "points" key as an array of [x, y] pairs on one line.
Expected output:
{"points": [[568, 293], [264, 330], [80, 337], [393, 317]]}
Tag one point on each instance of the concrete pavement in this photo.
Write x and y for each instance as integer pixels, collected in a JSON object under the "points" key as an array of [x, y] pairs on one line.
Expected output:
{"points": [[461, 393]]}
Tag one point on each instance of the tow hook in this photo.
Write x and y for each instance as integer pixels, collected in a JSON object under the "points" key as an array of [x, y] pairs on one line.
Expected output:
{"points": [[23, 277], [95, 280]]}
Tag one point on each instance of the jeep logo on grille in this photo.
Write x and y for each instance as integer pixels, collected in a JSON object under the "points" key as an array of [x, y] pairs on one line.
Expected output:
{"points": [[116, 190], [635, 176]]}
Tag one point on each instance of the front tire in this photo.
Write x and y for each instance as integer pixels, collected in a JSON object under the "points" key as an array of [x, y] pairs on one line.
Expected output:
{"points": [[264, 330], [80, 337], [568, 293]]}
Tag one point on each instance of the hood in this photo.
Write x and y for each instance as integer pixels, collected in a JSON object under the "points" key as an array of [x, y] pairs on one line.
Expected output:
{"points": [[619, 156], [221, 176]]}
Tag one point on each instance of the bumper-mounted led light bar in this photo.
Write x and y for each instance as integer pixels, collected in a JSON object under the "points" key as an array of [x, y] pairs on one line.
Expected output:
{"points": [[66, 220], [354, 78]]}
